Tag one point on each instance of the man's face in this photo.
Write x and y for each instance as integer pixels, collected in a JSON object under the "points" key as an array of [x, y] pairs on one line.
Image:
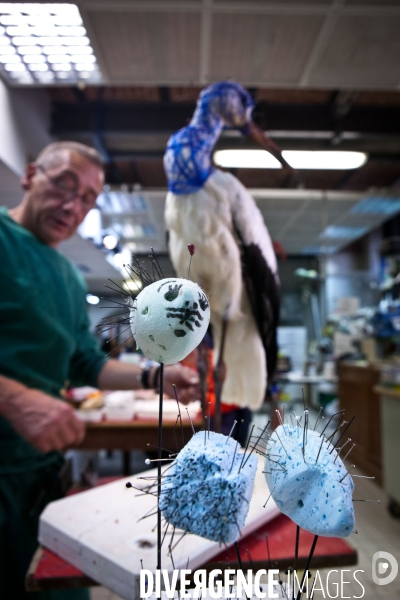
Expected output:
{"points": [[59, 195]]}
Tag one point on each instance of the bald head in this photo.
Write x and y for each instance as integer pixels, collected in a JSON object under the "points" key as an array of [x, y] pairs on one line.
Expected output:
{"points": [[54, 153]]}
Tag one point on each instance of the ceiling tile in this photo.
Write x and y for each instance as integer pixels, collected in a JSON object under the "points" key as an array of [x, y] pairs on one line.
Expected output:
{"points": [[254, 48], [363, 51], [148, 46]]}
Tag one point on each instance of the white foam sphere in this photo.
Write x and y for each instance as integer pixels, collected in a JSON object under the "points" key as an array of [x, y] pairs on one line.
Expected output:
{"points": [[169, 318]]}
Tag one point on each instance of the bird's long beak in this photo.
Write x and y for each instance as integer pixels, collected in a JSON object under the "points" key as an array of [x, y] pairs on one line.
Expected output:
{"points": [[263, 140]]}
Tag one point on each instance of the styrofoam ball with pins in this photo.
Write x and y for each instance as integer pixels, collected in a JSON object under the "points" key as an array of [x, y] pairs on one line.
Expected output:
{"points": [[169, 318], [309, 482]]}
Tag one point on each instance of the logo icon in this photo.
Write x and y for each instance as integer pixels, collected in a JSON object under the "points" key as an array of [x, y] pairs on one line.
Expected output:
{"points": [[381, 561]]}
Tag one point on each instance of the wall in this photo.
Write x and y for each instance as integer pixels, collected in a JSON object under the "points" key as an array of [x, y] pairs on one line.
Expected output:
{"points": [[354, 271], [24, 125]]}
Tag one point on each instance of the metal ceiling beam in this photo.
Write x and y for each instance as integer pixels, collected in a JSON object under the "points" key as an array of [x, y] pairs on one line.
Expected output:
{"points": [[168, 117]]}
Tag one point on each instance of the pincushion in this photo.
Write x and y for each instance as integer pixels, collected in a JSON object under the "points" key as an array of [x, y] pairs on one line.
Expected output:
{"points": [[169, 318], [207, 490], [307, 490]]}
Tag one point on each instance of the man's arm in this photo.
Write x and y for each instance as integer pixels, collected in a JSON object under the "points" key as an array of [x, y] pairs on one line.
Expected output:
{"points": [[51, 424], [117, 375], [45, 422]]}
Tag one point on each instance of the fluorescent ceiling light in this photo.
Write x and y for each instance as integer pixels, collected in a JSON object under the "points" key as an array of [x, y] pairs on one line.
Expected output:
{"points": [[84, 67], [343, 232], [29, 50], [55, 50], [58, 58], [18, 30], [38, 67], [110, 242], [41, 21], [6, 58], [61, 67], [68, 20], [79, 49], [34, 58], [377, 206], [319, 250], [8, 50], [14, 67], [298, 159], [51, 32], [71, 31], [79, 58], [246, 159], [12, 20], [324, 159], [132, 286], [91, 299]]}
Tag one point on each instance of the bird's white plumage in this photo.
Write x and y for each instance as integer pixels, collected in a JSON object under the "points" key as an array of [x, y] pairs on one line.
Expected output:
{"points": [[209, 218]]}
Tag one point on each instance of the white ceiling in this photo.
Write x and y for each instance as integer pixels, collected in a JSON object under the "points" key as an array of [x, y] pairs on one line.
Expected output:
{"points": [[322, 43], [326, 44]]}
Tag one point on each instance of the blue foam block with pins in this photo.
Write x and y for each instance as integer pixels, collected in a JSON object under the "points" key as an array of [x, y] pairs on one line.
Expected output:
{"points": [[313, 488], [207, 490]]}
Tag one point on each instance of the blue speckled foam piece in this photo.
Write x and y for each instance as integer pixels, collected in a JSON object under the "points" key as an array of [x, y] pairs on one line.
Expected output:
{"points": [[208, 496], [310, 493]]}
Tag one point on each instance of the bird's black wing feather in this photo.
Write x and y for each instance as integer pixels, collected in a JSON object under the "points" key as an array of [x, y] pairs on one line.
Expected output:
{"points": [[264, 294]]}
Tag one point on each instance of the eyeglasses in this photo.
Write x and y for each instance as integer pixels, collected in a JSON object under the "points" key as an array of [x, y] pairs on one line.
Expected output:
{"points": [[67, 186]]}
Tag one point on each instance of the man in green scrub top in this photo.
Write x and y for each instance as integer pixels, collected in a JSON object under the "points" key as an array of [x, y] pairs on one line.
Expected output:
{"points": [[45, 340]]}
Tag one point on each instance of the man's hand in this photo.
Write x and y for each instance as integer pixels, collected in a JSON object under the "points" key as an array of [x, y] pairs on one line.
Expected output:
{"points": [[45, 422], [186, 381]]}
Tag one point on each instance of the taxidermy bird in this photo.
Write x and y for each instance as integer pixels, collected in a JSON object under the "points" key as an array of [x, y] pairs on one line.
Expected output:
{"points": [[235, 263]]}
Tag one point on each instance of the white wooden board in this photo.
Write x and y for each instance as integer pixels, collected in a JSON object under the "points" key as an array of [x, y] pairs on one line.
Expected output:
{"points": [[99, 532]]}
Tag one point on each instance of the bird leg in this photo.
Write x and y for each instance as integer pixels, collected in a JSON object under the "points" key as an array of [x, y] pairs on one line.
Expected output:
{"points": [[218, 376]]}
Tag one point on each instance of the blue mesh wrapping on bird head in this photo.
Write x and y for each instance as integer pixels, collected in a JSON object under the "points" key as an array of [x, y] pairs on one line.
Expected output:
{"points": [[187, 160]]}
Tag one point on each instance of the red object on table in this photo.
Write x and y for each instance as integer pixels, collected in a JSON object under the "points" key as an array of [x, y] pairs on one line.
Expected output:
{"points": [[49, 571], [281, 533]]}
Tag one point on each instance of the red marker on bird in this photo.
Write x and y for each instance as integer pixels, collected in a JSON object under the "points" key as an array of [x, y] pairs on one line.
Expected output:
{"points": [[192, 250]]}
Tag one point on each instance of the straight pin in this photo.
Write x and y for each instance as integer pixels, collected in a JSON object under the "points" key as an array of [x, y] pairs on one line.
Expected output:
{"points": [[305, 431], [348, 473], [320, 448], [280, 419], [247, 445], [259, 438], [191, 422], [344, 431], [340, 449], [231, 431], [348, 452], [282, 445], [338, 413], [362, 500], [266, 502], [316, 422]]}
